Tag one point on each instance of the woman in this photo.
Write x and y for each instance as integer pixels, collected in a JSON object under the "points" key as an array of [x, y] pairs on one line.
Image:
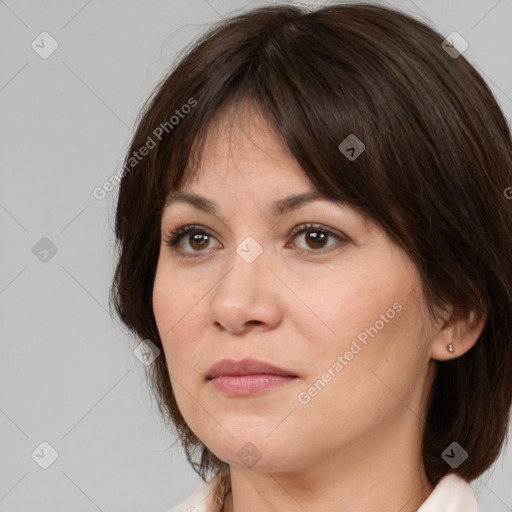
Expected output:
{"points": [[318, 240]]}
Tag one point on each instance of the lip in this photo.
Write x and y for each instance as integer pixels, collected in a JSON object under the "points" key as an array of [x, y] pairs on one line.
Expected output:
{"points": [[247, 366], [247, 377]]}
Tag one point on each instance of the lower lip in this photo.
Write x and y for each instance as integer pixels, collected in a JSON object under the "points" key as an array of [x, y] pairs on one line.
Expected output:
{"points": [[243, 385]]}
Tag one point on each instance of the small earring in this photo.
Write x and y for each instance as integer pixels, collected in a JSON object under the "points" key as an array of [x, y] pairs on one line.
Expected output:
{"points": [[450, 348]]}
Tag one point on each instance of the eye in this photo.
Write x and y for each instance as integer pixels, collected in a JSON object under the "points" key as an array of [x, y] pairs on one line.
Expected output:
{"points": [[316, 237], [199, 239]]}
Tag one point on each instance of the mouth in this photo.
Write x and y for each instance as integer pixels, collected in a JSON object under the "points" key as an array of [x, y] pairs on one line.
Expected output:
{"points": [[246, 377]]}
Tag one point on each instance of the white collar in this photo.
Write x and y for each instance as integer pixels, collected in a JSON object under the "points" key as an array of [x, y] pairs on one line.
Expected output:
{"points": [[451, 494]]}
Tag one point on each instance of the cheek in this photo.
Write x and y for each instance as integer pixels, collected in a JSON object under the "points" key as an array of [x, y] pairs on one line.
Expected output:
{"points": [[368, 327], [355, 385], [177, 316], [332, 312]]}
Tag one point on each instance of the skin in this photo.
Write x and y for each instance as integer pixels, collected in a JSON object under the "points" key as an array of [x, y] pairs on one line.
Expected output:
{"points": [[356, 446]]}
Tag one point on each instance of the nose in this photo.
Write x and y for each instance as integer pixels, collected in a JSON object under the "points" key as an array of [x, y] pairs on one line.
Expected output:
{"points": [[247, 296]]}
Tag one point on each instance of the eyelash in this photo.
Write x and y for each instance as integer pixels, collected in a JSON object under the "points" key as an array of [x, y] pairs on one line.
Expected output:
{"points": [[174, 237]]}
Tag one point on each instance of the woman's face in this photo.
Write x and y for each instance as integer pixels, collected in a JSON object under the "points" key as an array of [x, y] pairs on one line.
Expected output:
{"points": [[344, 316]]}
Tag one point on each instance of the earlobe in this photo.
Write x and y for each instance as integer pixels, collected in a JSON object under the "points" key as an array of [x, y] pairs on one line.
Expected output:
{"points": [[458, 334]]}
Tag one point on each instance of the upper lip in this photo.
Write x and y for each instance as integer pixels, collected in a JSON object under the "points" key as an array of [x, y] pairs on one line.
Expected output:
{"points": [[245, 367]]}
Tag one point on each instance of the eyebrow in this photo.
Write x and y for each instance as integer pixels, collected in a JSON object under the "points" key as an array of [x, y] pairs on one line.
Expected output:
{"points": [[278, 208]]}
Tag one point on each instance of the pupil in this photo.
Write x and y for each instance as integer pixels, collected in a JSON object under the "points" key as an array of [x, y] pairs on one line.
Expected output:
{"points": [[317, 237], [196, 239]]}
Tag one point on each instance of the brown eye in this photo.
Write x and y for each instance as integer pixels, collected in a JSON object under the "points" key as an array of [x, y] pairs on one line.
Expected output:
{"points": [[197, 238], [198, 241], [316, 238]]}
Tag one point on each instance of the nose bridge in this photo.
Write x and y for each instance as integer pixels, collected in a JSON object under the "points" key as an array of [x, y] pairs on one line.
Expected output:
{"points": [[243, 294], [247, 267]]}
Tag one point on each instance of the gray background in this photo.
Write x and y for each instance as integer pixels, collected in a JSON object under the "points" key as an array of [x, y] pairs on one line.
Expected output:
{"points": [[68, 374]]}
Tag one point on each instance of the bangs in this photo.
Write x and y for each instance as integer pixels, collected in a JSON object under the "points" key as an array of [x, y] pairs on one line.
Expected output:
{"points": [[316, 130]]}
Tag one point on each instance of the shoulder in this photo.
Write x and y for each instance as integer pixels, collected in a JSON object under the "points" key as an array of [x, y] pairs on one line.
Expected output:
{"points": [[197, 501]]}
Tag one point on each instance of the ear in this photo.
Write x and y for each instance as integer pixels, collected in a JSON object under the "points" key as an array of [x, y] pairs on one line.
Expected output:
{"points": [[462, 329]]}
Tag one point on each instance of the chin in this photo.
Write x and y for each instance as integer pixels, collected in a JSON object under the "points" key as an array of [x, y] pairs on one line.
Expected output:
{"points": [[256, 452]]}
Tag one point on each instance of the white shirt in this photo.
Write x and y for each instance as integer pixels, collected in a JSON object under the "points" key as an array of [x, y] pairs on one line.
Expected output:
{"points": [[451, 494]]}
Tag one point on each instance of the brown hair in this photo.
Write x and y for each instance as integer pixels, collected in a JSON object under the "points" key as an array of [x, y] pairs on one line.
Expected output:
{"points": [[437, 159]]}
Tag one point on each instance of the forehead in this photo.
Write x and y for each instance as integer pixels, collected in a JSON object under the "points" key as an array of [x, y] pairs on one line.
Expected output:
{"points": [[242, 149]]}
